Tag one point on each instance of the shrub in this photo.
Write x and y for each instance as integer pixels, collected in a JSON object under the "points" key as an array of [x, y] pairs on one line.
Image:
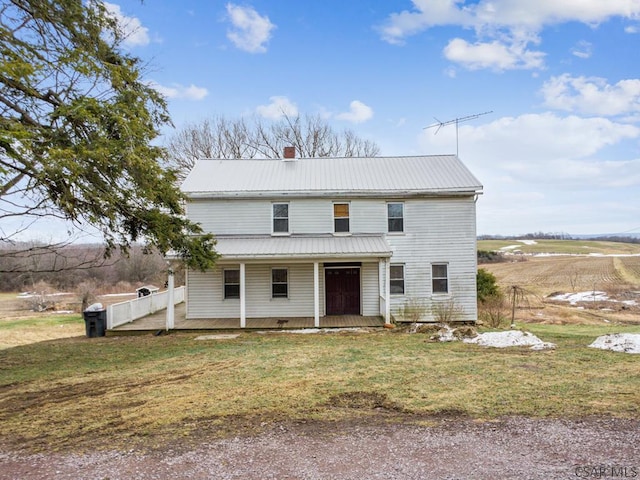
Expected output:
{"points": [[486, 284], [493, 310]]}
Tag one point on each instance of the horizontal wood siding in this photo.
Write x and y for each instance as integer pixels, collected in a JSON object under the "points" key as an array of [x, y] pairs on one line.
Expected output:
{"points": [[306, 216], [369, 288], [231, 217], [438, 231], [435, 230], [206, 297], [205, 292]]}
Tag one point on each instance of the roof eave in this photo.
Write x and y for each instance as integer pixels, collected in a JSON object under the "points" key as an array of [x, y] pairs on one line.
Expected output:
{"points": [[470, 191]]}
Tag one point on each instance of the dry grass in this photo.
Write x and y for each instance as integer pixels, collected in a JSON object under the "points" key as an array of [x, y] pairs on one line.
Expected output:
{"points": [[116, 391], [545, 275], [38, 328]]}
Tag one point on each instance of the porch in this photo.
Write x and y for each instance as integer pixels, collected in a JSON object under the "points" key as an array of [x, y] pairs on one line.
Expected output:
{"points": [[158, 321]]}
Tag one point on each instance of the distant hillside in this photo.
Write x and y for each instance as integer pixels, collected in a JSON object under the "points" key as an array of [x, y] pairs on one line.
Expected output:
{"points": [[566, 247]]}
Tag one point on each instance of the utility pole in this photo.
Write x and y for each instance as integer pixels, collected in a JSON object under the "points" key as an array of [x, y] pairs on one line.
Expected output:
{"points": [[458, 120]]}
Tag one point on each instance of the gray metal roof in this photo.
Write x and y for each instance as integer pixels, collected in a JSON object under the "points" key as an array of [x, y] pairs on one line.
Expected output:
{"points": [[307, 247], [435, 174]]}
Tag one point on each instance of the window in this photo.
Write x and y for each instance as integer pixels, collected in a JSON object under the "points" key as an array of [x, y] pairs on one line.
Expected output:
{"points": [[231, 284], [395, 217], [440, 278], [396, 278], [280, 218], [340, 217], [279, 283]]}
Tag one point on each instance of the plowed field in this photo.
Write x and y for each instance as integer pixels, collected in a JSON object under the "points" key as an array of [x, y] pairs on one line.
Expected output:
{"points": [[548, 274]]}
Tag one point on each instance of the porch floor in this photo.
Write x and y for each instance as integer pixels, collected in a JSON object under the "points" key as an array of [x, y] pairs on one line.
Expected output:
{"points": [[157, 321]]}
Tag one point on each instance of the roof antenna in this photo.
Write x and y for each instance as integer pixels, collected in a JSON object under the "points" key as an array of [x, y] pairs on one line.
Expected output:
{"points": [[458, 120]]}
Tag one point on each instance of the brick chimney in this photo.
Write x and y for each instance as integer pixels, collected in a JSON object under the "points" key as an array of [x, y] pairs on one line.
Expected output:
{"points": [[289, 152]]}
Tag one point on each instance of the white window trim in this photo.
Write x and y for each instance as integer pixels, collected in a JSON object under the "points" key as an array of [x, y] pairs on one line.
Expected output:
{"points": [[404, 279], [440, 294], [333, 218], [224, 284], [273, 218], [401, 232], [279, 283]]}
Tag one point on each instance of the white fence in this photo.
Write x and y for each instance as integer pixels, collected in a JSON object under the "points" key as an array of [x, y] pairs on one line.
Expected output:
{"points": [[125, 312]]}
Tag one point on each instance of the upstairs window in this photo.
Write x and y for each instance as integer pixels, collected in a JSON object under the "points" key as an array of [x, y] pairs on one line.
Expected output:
{"points": [[231, 284], [440, 278], [280, 218], [395, 217], [396, 279], [279, 283], [341, 217]]}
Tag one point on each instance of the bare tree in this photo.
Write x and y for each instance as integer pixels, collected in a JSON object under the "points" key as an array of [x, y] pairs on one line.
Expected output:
{"points": [[220, 137]]}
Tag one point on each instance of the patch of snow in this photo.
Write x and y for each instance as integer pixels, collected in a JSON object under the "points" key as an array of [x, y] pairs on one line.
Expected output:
{"points": [[618, 342], [446, 334], [512, 338], [510, 247], [528, 242], [573, 298]]}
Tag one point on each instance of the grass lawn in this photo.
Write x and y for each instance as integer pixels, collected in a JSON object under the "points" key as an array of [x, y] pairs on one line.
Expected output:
{"points": [[23, 331], [112, 391]]}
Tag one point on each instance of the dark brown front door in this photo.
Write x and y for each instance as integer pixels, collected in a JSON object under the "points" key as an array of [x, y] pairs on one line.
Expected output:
{"points": [[342, 287]]}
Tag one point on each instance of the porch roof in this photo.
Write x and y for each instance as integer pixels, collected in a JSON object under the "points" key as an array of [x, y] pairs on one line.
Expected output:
{"points": [[302, 247]]}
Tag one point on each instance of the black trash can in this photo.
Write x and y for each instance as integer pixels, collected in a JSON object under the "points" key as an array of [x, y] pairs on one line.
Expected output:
{"points": [[95, 322]]}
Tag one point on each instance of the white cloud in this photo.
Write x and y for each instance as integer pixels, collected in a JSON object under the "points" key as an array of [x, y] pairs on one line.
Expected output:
{"points": [[541, 148], [131, 29], [279, 107], [539, 170], [251, 31], [504, 28], [631, 29], [583, 50], [358, 113], [494, 55], [181, 92], [592, 95]]}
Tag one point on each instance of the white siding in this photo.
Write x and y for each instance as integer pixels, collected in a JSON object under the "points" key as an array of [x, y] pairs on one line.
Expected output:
{"points": [[369, 288], [206, 297], [440, 230]]}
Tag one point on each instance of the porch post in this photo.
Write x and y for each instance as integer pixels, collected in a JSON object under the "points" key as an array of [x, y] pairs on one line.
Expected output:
{"points": [[316, 295], [381, 286], [387, 290], [243, 307], [170, 301]]}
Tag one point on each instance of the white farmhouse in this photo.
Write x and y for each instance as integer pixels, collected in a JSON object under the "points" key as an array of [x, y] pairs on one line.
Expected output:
{"points": [[319, 238]]}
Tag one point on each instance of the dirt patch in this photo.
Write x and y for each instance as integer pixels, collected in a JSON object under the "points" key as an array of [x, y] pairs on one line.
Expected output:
{"points": [[364, 400], [418, 448]]}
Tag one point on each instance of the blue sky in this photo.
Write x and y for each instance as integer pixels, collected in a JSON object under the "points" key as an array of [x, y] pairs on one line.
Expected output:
{"points": [[559, 152]]}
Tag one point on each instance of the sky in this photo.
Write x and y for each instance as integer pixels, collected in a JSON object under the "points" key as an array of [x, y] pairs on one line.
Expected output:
{"points": [[546, 92]]}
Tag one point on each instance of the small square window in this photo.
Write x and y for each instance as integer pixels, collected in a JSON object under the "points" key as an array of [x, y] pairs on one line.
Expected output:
{"points": [[280, 218], [395, 217], [231, 284], [341, 217], [279, 283], [440, 278], [396, 279]]}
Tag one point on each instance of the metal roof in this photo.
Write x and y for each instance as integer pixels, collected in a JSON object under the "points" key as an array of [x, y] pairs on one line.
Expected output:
{"points": [[304, 246], [434, 174]]}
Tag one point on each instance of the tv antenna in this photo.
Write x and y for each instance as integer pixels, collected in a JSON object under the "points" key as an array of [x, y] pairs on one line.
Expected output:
{"points": [[458, 120]]}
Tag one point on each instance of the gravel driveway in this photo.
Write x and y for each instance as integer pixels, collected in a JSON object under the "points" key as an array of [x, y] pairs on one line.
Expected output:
{"points": [[449, 448]]}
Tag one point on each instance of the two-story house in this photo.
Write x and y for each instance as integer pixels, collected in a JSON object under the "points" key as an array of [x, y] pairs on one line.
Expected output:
{"points": [[320, 237]]}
